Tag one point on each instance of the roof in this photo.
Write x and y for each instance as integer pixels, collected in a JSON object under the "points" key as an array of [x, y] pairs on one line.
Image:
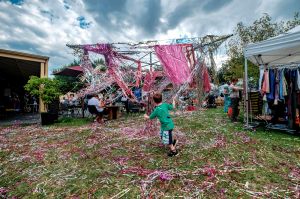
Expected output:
{"points": [[22, 54], [72, 71], [279, 50], [77, 68]]}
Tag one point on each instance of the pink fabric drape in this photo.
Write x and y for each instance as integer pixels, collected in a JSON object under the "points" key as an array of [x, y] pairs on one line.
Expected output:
{"points": [[174, 62], [206, 79]]}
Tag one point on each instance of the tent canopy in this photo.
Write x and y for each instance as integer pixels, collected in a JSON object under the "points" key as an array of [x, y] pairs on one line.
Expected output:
{"points": [[279, 50]]}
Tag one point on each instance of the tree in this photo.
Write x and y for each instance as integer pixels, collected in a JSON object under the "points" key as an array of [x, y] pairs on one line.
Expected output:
{"points": [[99, 63], [260, 30], [45, 88], [67, 84]]}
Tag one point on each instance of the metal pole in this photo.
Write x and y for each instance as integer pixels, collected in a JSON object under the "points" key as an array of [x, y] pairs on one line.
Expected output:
{"points": [[82, 106], [246, 93], [149, 100], [151, 62]]}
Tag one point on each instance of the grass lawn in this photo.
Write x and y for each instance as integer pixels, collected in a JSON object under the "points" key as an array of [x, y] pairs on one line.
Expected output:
{"points": [[124, 159]]}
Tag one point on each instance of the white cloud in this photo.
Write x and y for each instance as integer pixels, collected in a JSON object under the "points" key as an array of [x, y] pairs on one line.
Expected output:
{"points": [[45, 27]]}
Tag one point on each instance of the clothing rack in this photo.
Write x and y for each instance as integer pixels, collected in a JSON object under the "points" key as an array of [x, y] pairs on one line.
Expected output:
{"points": [[281, 109], [290, 66]]}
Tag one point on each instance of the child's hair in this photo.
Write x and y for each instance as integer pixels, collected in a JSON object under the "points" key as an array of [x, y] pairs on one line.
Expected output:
{"points": [[157, 97], [234, 80]]}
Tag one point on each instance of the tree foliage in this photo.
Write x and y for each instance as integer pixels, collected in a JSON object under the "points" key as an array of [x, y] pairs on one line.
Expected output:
{"points": [[69, 84], [45, 88], [261, 29]]}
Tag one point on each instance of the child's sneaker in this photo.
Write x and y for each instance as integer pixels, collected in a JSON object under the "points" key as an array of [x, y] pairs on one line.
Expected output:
{"points": [[175, 142], [173, 153]]}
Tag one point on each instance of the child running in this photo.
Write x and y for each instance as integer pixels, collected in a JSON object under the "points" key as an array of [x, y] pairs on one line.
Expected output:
{"points": [[162, 113]]}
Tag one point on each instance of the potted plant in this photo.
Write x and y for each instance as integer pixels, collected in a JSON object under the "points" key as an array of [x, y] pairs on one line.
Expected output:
{"points": [[48, 91]]}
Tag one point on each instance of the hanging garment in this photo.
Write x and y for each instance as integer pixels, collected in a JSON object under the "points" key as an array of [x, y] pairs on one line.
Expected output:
{"points": [[270, 95], [174, 62], [281, 76], [298, 80], [276, 95], [265, 86], [293, 87], [265, 109], [285, 90], [261, 74]]}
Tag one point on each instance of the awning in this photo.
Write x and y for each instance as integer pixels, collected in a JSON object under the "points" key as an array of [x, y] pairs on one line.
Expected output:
{"points": [[279, 50], [72, 71]]}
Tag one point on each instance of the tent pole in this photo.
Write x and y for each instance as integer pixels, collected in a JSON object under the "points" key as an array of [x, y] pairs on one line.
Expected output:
{"points": [[246, 92]]}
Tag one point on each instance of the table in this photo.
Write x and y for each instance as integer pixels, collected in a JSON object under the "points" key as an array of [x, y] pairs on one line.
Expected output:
{"points": [[112, 112]]}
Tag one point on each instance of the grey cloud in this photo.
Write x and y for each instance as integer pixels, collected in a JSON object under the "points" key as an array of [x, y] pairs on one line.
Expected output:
{"points": [[287, 8], [191, 8], [214, 5], [147, 22], [37, 31], [181, 12], [27, 46], [101, 10]]}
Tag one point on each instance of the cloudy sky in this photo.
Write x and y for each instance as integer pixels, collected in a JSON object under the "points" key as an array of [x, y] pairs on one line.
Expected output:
{"points": [[45, 26]]}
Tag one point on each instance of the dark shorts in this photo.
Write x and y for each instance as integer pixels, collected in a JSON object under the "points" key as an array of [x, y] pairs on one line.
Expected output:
{"points": [[166, 136]]}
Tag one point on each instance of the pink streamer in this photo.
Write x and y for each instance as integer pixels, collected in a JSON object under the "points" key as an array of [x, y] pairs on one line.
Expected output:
{"points": [[138, 74], [111, 58], [174, 62], [149, 80], [206, 79]]}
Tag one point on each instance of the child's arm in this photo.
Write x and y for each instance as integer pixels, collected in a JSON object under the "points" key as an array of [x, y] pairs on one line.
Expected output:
{"points": [[172, 107], [152, 115], [174, 103]]}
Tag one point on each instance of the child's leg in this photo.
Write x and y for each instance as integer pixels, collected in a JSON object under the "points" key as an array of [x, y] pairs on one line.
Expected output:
{"points": [[172, 147], [99, 119], [168, 139]]}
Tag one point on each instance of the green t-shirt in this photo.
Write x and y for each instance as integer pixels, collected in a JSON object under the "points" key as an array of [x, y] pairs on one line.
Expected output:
{"points": [[162, 113]]}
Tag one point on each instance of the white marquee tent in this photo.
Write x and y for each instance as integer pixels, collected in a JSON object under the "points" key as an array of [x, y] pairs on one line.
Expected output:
{"points": [[280, 50]]}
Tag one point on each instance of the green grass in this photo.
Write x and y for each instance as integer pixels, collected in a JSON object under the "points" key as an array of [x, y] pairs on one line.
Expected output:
{"points": [[77, 158], [68, 121]]}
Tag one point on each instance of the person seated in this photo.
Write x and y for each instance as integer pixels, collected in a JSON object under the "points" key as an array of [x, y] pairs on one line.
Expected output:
{"points": [[95, 106], [211, 100], [64, 104], [108, 101], [72, 100]]}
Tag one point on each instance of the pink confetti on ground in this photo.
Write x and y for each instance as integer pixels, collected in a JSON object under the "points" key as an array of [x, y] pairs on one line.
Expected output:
{"points": [[220, 141]]}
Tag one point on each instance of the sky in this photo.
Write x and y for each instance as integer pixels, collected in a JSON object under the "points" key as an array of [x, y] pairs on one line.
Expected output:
{"points": [[44, 27]]}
